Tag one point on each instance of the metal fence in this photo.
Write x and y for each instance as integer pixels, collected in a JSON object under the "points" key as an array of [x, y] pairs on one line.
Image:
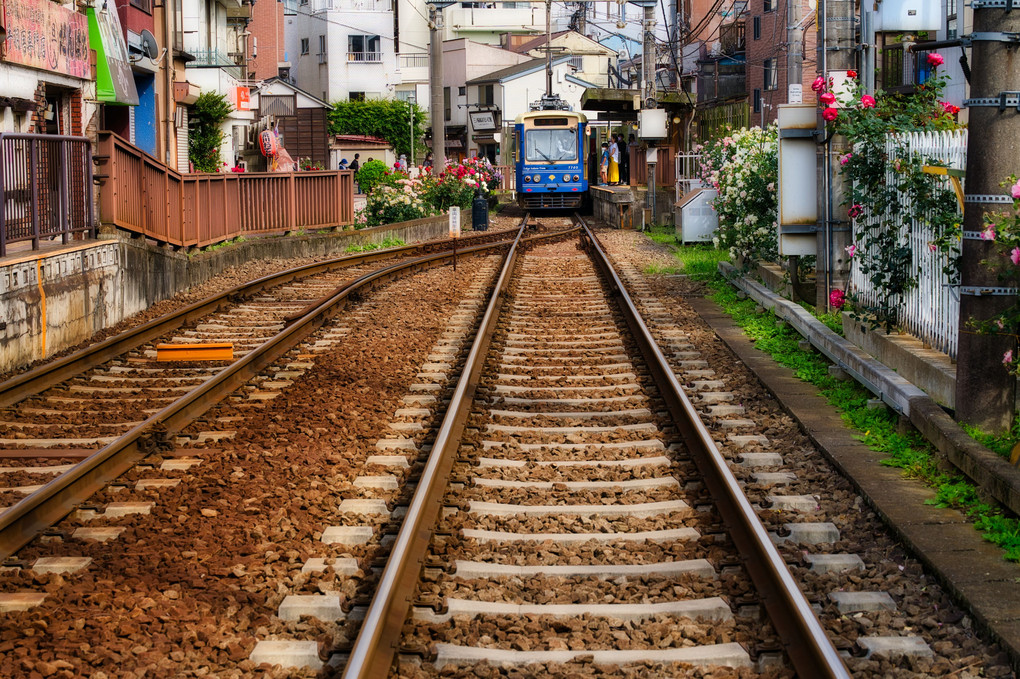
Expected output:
{"points": [[688, 173], [142, 195], [45, 188], [931, 311]]}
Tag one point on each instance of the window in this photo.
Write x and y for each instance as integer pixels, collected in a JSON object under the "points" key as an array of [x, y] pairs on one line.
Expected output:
{"points": [[144, 5], [952, 29], [353, 96], [446, 104], [756, 30], [304, 45], [178, 25], [771, 74], [405, 95], [462, 91], [363, 48], [549, 145], [756, 100], [577, 62], [485, 95], [322, 49], [769, 5]]}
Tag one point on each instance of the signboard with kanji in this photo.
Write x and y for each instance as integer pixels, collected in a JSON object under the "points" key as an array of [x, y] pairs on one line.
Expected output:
{"points": [[42, 34]]}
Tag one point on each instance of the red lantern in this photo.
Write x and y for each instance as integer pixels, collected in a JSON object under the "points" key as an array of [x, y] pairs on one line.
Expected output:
{"points": [[268, 144]]}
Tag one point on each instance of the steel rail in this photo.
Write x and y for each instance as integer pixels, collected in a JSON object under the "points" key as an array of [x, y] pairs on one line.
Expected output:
{"points": [[36, 380], [45, 507], [804, 640], [379, 636]]}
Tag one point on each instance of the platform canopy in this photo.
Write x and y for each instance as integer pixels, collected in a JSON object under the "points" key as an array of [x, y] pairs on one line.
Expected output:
{"points": [[629, 101]]}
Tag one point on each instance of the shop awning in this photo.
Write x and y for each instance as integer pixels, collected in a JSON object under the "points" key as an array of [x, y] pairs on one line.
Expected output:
{"points": [[114, 82], [450, 143]]}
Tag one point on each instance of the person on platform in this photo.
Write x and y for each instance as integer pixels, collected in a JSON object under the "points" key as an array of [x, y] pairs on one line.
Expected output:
{"points": [[355, 164], [604, 164], [614, 162], [624, 161], [344, 165]]}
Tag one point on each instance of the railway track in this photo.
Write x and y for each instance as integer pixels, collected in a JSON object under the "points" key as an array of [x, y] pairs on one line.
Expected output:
{"points": [[550, 499], [560, 518], [75, 424]]}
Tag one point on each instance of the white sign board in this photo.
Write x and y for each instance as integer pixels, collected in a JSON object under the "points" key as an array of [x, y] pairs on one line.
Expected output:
{"points": [[483, 120], [454, 222], [795, 94], [798, 180]]}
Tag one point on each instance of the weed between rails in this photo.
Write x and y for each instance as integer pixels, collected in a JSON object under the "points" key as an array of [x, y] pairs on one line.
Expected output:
{"points": [[367, 247]]}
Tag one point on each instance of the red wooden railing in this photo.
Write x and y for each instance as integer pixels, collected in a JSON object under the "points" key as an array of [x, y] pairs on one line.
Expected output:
{"points": [[142, 195]]}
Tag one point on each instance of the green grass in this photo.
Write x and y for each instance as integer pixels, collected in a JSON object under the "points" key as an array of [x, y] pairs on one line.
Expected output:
{"points": [[699, 262], [368, 247], [876, 427]]}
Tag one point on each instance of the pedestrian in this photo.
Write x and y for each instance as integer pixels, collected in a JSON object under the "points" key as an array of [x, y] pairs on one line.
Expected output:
{"points": [[428, 160], [355, 164], [614, 162], [343, 164], [604, 164], [624, 161], [402, 163]]}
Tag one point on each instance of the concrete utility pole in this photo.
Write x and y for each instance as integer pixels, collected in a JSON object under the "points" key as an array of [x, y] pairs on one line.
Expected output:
{"points": [[438, 105], [795, 49], [548, 48], [985, 392], [836, 50]]}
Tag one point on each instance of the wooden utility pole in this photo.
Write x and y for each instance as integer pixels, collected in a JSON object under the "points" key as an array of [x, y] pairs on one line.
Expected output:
{"points": [[985, 392]]}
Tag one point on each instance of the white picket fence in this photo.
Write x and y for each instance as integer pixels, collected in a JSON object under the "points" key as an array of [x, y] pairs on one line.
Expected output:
{"points": [[931, 311]]}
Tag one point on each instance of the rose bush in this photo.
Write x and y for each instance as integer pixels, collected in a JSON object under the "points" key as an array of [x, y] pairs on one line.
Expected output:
{"points": [[875, 205], [743, 167]]}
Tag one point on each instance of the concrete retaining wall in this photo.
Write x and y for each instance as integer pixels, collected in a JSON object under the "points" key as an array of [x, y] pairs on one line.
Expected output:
{"points": [[52, 301]]}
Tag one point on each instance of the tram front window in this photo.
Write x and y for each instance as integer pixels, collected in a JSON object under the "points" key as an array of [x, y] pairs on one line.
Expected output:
{"points": [[546, 146]]}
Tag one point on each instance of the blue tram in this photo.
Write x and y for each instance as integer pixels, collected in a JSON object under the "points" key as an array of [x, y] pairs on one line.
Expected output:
{"points": [[550, 153]]}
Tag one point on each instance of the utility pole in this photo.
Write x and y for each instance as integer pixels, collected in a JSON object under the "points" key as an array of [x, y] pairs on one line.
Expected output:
{"points": [[795, 50], [648, 59], [548, 48], [985, 392], [438, 106], [836, 51]]}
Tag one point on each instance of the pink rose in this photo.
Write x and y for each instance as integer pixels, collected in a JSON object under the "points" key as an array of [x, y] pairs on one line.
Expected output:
{"points": [[855, 211], [1015, 256], [837, 298], [988, 233], [931, 247], [827, 98], [851, 250], [830, 114], [844, 159], [867, 101], [949, 108], [819, 84], [1007, 357], [935, 59], [1015, 189]]}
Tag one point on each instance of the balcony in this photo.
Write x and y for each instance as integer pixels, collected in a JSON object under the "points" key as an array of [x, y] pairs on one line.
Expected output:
{"points": [[732, 38], [414, 60], [364, 57], [462, 21], [318, 6], [214, 58], [720, 80]]}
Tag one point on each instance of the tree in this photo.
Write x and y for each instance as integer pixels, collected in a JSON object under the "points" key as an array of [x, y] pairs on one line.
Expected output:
{"points": [[205, 135], [385, 118]]}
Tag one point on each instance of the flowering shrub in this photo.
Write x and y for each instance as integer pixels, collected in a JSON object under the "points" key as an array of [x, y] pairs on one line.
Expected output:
{"points": [[743, 167], [395, 197], [913, 197], [406, 199], [1004, 228]]}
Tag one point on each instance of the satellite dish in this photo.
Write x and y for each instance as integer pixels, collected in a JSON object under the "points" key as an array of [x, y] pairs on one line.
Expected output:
{"points": [[149, 46]]}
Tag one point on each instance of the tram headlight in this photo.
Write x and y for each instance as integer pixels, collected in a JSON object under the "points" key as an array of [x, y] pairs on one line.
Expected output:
{"points": [[577, 178], [527, 178], [538, 177], [566, 177]]}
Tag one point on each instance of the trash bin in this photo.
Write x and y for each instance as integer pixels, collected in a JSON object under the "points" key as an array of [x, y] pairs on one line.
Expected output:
{"points": [[480, 214]]}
